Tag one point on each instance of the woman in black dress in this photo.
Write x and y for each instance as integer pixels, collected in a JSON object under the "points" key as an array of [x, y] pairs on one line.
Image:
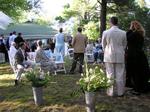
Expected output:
{"points": [[137, 67]]}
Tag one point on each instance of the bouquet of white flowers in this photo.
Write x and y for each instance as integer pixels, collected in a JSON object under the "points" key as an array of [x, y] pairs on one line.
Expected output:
{"points": [[94, 79]]}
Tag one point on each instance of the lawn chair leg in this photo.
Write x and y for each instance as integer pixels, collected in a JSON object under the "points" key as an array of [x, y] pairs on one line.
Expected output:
{"points": [[55, 73]]}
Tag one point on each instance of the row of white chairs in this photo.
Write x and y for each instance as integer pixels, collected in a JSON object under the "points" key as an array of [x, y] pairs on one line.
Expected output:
{"points": [[56, 57], [89, 56]]}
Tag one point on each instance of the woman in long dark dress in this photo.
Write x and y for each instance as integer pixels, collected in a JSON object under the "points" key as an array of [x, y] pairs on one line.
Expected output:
{"points": [[137, 67]]}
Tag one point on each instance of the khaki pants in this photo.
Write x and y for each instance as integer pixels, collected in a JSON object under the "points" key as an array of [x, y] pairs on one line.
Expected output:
{"points": [[20, 68], [116, 72]]}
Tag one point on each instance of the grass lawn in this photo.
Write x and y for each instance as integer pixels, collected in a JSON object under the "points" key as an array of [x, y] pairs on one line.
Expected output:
{"points": [[58, 96]]}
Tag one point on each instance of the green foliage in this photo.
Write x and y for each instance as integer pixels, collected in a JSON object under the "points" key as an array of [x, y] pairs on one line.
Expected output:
{"points": [[60, 19], [36, 79], [41, 21], [17, 5], [94, 79], [134, 12], [16, 8], [68, 12], [91, 30]]}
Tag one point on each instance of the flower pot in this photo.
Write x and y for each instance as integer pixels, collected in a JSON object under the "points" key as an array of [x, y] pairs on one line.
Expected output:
{"points": [[90, 101], [38, 95]]}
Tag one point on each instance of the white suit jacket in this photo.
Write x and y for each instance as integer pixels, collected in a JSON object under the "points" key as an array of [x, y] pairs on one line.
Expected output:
{"points": [[114, 44]]}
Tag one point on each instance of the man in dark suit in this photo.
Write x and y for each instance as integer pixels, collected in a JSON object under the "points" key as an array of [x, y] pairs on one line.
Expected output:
{"points": [[20, 61], [18, 39]]}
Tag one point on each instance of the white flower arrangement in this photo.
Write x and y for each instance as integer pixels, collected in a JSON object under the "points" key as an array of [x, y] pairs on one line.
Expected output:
{"points": [[93, 79]]}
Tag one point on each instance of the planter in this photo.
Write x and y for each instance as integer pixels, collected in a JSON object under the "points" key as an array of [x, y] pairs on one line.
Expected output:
{"points": [[38, 95], [90, 101]]}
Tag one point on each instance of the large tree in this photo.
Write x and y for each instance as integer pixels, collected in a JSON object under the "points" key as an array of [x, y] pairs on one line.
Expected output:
{"points": [[103, 11], [104, 7], [100, 10], [83, 10]]}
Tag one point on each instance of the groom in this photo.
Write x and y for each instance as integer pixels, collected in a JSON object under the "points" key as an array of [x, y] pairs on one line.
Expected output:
{"points": [[114, 43]]}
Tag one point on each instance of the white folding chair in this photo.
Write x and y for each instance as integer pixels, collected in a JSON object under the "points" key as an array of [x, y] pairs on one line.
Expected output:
{"points": [[59, 61], [31, 56], [71, 53], [89, 56], [31, 59]]}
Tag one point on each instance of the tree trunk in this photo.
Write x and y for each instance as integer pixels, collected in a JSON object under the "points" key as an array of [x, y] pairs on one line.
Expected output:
{"points": [[103, 16]]}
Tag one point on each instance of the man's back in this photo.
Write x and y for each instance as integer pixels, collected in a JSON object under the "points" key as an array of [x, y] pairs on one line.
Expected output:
{"points": [[114, 43], [79, 43], [18, 39]]}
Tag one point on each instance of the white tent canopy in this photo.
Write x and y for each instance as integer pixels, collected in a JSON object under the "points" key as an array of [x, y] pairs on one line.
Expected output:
{"points": [[4, 20]]}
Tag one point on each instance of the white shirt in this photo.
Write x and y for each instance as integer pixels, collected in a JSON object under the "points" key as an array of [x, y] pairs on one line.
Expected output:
{"points": [[11, 39]]}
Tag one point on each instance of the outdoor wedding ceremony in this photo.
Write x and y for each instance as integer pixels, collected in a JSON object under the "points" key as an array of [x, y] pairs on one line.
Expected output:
{"points": [[75, 56]]}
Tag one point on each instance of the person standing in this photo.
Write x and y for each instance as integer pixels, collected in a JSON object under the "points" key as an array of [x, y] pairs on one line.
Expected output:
{"points": [[51, 44], [138, 73], [114, 44], [3, 48], [33, 46], [7, 41], [12, 37], [79, 43], [12, 53], [60, 42], [18, 39]]}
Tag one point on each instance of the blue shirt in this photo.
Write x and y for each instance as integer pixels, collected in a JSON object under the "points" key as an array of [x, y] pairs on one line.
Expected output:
{"points": [[59, 39]]}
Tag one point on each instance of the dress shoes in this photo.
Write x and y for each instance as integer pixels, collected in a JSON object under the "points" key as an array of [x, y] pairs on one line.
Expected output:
{"points": [[16, 82]]}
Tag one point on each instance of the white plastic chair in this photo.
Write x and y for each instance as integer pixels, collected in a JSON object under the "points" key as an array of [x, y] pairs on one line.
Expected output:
{"points": [[59, 61], [31, 59], [89, 56], [71, 53], [31, 56]]}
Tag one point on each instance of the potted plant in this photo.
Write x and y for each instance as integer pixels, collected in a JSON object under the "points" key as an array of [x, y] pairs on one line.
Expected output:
{"points": [[37, 80], [92, 80]]}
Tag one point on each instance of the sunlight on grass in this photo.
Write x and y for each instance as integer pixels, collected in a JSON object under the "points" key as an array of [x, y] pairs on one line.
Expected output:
{"points": [[6, 80], [5, 69]]}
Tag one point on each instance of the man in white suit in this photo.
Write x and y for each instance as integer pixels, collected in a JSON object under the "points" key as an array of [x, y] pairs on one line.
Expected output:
{"points": [[114, 43]]}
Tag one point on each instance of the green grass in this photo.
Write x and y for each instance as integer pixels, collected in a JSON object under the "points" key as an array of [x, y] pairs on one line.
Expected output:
{"points": [[58, 97]]}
